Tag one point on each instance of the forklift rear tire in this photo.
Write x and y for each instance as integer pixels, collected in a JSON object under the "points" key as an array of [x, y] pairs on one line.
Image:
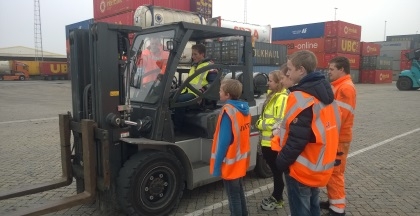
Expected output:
{"points": [[21, 78], [404, 84], [150, 183]]}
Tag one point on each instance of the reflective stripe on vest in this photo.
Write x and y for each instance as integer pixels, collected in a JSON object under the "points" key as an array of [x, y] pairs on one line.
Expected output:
{"points": [[313, 167], [232, 112], [199, 81], [236, 160]]}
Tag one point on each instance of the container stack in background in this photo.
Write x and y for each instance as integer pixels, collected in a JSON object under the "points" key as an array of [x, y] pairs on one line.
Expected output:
{"points": [[326, 39], [373, 67], [396, 46]]}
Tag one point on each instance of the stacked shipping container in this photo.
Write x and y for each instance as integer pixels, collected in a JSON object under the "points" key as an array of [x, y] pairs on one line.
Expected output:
{"points": [[395, 46], [374, 68], [325, 39]]}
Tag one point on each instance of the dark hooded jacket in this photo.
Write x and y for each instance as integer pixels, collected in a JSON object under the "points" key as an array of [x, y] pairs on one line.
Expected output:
{"points": [[300, 133]]}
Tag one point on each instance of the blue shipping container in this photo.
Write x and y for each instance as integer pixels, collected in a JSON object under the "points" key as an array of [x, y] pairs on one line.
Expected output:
{"points": [[265, 69], [313, 30], [79, 25]]}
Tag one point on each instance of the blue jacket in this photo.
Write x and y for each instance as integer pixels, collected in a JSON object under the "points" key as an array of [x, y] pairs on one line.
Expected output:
{"points": [[226, 135]]}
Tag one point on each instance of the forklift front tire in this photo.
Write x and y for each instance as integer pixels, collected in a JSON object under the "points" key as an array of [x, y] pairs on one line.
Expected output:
{"points": [[150, 183]]}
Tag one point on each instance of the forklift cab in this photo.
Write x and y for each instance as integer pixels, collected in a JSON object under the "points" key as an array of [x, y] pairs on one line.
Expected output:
{"points": [[156, 99]]}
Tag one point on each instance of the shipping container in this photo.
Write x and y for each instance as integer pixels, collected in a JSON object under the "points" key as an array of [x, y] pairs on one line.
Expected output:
{"points": [[265, 69], [376, 63], [396, 65], [370, 49], [259, 33], [33, 67], [382, 76], [343, 30], [306, 31], [203, 7], [106, 8], [412, 37], [147, 16], [53, 70], [394, 45], [365, 76], [230, 52], [403, 54], [313, 44], [342, 45], [353, 59], [126, 18], [405, 65], [355, 76]]}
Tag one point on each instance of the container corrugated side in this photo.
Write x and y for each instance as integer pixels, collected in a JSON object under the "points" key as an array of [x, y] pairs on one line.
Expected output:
{"points": [[382, 76], [312, 44], [355, 76], [376, 63], [53, 68], [230, 52], [411, 37], [126, 18], [342, 45], [343, 30], [370, 49], [105, 8], [354, 59], [394, 45], [312, 30]]}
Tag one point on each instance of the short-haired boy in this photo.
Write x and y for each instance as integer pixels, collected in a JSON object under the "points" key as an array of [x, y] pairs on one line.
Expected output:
{"points": [[231, 147]]}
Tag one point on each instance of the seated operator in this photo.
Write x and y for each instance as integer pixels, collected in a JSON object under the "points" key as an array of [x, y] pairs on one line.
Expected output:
{"points": [[153, 62], [199, 82]]}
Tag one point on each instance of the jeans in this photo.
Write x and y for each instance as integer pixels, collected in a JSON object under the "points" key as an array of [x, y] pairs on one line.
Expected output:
{"points": [[236, 196], [270, 157], [303, 200], [179, 112]]}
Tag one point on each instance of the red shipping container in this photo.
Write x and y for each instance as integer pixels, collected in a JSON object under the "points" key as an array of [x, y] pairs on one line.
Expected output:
{"points": [[106, 8], [405, 65], [370, 49], [353, 59], [382, 76], [366, 76], [343, 30], [120, 19], [174, 4], [313, 44], [403, 57], [53, 68], [342, 45], [204, 7]]}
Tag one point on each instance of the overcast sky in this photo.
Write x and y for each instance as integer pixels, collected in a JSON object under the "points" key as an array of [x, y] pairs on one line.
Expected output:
{"points": [[402, 16]]}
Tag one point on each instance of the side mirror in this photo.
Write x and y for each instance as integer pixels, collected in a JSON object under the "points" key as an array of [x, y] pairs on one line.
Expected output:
{"points": [[169, 45]]}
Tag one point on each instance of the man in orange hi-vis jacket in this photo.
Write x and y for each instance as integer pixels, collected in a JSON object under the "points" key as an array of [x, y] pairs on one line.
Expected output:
{"points": [[345, 96]]}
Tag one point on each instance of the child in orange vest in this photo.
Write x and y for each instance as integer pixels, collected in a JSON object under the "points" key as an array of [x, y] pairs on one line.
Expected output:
{"points": [[231, 147]]}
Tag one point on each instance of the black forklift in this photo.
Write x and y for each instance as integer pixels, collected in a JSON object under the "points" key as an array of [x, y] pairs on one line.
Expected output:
{"points": [[118, 143]]}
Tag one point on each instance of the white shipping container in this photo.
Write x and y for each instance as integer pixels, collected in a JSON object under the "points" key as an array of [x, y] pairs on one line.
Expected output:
{"points": [[394, 45], [259, 33], [394, 54]]}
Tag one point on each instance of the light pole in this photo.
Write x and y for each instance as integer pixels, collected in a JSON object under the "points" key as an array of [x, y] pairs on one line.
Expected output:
{"points": [[335, 14], [385, 32]]}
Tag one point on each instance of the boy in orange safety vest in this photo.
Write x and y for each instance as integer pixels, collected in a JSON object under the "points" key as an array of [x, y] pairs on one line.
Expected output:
{"points": [[230, 152], [308, 135]]}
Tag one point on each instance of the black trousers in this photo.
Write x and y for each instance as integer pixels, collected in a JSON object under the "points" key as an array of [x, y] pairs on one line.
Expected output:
{"points": [[270, 157]]}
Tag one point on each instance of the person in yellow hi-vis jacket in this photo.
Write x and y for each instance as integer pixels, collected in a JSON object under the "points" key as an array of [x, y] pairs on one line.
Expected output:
{"points": [[273, 112]]}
